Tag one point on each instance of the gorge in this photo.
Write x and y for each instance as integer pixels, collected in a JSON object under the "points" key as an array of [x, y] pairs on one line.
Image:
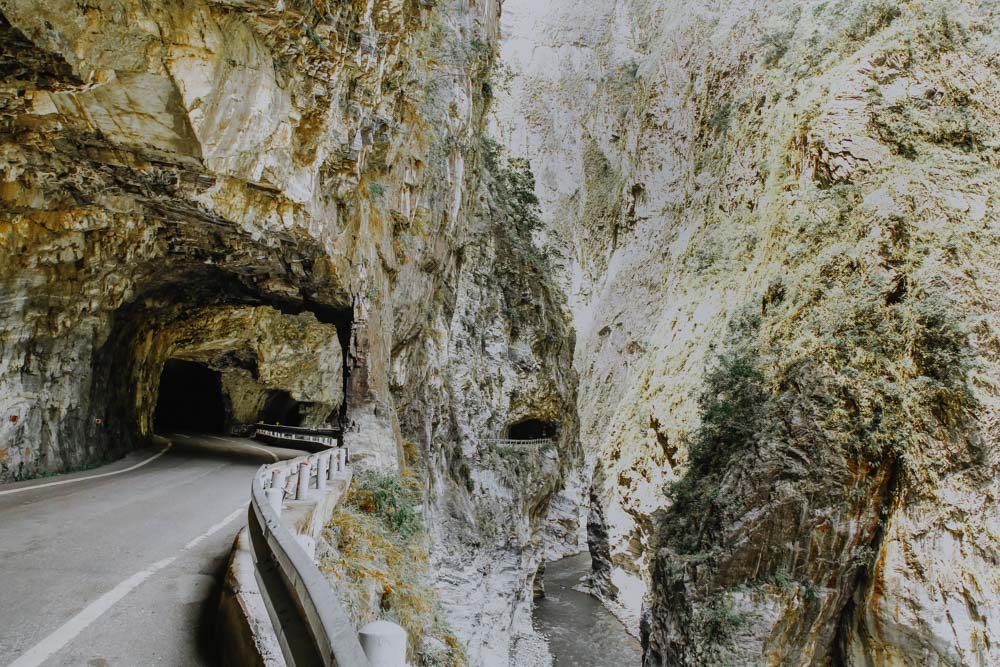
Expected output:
{"points": [[706, 290]]}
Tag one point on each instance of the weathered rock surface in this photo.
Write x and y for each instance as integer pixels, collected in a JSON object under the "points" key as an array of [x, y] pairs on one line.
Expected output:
{"points": [[829, 166], [780, 201], [297, 195]]}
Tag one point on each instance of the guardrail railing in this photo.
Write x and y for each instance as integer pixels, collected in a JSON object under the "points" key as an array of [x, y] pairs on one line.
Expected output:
{"points": [[311, 626], [297, 435], [510, 442]]}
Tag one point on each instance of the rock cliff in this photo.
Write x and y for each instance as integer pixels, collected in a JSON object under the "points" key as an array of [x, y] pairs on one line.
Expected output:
{"points": [[739, 257], [300, 197], [779, 220]]}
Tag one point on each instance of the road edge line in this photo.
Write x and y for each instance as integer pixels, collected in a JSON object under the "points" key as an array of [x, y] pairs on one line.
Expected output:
{"points": [[71, 629], [84, 479]]}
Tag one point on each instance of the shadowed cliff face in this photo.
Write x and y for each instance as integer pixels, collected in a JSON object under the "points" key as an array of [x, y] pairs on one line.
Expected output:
{"points": [[827, 170]]}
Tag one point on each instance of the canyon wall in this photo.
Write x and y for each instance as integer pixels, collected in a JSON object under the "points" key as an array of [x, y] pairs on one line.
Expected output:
{"points": [[763, 236], [301, 197], [778, 223]]}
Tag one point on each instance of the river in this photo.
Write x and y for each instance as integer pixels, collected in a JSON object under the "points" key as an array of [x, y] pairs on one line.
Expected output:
{"points": [[581, 632]]}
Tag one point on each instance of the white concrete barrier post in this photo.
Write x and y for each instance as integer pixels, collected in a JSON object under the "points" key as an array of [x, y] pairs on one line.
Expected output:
{"points": [[278, 479], [302, 487], [384, 644], [322, 471], [274, 496], [341, 460], [331, 465]]}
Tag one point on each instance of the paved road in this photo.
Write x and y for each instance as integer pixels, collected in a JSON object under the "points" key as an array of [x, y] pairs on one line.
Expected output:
{"points": [[124, 569]]}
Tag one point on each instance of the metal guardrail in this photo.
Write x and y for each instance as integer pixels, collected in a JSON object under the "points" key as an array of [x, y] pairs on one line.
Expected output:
{"points": [[294, 434], [311, 626], [509, 442]]}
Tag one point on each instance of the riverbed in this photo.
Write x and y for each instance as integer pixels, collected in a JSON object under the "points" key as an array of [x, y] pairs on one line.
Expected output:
{"points": [[580, 631]]}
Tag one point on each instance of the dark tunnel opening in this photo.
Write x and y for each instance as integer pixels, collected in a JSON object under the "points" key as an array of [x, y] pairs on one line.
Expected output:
{"points": [[281, 408], [190, 399], [532, 429]]}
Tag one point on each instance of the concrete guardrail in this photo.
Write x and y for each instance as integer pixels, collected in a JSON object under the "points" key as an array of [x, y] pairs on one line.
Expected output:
{"points": [[311, 626]]}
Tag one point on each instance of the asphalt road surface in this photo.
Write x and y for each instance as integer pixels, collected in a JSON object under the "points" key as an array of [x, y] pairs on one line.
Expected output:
{"points": [[122, 565]]}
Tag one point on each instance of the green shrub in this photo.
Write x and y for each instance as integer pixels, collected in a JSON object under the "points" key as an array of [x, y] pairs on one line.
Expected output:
{"points": [[733, 404], [386, 496], [717, 623], [872, 17], [518, 459], [941, 343], [381, 562]]}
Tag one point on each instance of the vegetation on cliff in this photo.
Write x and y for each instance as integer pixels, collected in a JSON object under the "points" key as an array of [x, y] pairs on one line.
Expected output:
{"points": [[380, 564]]}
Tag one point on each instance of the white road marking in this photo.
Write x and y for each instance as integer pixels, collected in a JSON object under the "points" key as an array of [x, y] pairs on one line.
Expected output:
{"points": [[83, 479], [214, 529], [46, 648], [243, 444]]}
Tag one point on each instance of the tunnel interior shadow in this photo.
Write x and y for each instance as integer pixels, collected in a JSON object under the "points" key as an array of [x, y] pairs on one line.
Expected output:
{"points": [[531, 429], [190, 399], [281, 408]]}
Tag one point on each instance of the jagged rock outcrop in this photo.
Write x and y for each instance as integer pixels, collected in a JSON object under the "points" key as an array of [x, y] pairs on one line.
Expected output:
{"points": [[827, 168], [509, 352]]}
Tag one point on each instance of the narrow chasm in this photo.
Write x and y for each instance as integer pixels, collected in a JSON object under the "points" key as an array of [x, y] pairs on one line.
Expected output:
{"points": [[662, 318], [579, 629]]}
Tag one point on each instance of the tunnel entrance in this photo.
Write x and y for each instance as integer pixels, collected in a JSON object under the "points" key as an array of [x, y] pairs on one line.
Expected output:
{"points": [[281, 408], [190, 399], [532, 429]]}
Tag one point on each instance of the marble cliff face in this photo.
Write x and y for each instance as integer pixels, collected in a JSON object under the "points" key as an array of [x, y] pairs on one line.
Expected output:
{"points": [[743, 254], [779, 222], [298, 196]]}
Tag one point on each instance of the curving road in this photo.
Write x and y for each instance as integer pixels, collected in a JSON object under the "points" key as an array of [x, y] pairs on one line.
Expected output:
{"points": [[122, 565]]}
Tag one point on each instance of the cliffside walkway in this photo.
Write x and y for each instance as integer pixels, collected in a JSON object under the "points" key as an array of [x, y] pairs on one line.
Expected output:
{"points": [[513, 442], [121, 565]]}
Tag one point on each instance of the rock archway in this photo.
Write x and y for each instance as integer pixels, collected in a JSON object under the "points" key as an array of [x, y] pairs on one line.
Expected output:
{"points": [[261, 363]]}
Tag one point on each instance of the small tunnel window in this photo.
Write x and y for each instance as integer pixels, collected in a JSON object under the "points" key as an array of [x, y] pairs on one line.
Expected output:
{"points": [[281, 408], [531, 429], [190, 399]]}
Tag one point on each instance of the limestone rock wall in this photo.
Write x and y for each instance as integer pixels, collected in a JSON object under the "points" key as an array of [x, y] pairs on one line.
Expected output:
{"points": [[258, 350], [185, 154], [268, 188], [200, 154], [827, 167], [500, 352]]}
